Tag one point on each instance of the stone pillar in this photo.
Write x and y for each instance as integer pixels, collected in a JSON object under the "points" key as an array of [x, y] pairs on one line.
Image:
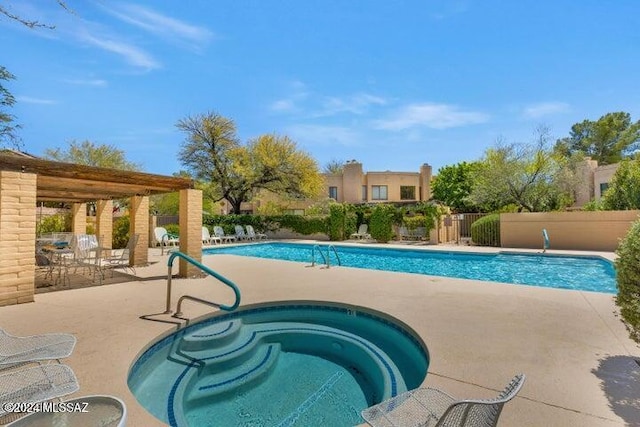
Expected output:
{"points": [[190, 231], [139, 224], [104, 222], [153, 223], [352, 181], [17, 237], [79, 218]]}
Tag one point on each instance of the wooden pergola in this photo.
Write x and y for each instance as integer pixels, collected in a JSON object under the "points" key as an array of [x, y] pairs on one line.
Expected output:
{"points": [[26, 180]]}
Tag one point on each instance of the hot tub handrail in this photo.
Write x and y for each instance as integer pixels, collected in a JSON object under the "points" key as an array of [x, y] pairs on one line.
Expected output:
{"points": [[207, 270]]}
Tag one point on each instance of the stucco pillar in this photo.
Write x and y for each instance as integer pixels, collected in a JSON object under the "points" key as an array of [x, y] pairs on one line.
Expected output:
{"points": [[79, 218], [17, 237], [139, 224], [104, 222], [190, 231]]}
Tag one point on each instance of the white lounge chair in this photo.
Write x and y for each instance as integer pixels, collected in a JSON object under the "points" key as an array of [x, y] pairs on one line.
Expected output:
{"points": [[207, 238], [240, 234], [251, 233], [35, 348], [219, 232], [164, 238], [118, 258], [432, 407], [37, 384], [362, 232]]}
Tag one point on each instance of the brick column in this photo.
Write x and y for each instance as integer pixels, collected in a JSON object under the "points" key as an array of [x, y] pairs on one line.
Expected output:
{"points": [[190, 231], [104, 222], [17, 237], [139, 224], [79, 218]]}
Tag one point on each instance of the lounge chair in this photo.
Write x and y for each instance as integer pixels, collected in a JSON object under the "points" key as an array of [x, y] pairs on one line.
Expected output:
{"points": [[164, 238], [35, 348], [37, 384], [118, 258], [102, 410], [432, 407], [251, 233], [240, 234], [207, 238], [362, 233], [219, 232]]}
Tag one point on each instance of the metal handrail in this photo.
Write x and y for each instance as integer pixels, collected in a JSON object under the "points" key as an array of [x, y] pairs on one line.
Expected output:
{"points": [[207, 270], [335, 251], [313, 255]]}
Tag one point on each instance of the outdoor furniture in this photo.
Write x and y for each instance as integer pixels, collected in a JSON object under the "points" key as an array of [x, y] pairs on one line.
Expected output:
{"points": [[240, 234], [104, 411], [207, 238], [163, 238], [362, 232], [432, 407], [118, 258], [37, 384], [35, 348], [219, 232], [251, 233]]}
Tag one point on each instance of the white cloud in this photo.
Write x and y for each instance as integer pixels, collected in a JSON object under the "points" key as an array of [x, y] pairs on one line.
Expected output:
{"points": [[31, 100], [355, 104], [159, 24], [87, 82], [535, 111], [132, 54], [430, 115], [315, 135]]}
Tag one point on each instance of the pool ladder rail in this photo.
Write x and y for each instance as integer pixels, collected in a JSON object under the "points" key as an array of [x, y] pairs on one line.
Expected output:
{"points": [[327, 258], [178, 313]]}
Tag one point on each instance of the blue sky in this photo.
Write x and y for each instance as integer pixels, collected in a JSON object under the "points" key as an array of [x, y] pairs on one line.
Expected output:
{"points": [[391, 83]]}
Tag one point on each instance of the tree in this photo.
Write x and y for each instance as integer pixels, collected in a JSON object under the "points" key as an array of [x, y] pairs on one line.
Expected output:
{"points": [[529, 176], [8, 135], [236, 172], [624, 190], [607, 140], [452, 186], [28, 22], [169, 203], [333, 167], [91, 154]]}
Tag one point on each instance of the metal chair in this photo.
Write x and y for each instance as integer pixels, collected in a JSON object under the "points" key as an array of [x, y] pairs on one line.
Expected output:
{"points": [[432, 407], [35, 348]]}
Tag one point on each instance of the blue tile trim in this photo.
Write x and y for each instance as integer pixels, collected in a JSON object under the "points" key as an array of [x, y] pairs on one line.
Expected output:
{"points": [[241, 376], [214, 334]]}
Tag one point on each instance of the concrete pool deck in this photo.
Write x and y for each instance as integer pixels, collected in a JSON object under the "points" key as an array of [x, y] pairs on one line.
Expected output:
{"points": [[581, 367]]}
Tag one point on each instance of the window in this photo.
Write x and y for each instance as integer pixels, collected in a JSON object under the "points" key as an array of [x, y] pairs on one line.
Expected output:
{"points": [[603, 187], [407, 192], [378, 192], [333, 193], [364, 193]]}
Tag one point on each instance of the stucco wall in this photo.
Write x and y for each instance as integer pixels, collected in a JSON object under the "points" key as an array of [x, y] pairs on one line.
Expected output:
{"points": [[599, 231]]}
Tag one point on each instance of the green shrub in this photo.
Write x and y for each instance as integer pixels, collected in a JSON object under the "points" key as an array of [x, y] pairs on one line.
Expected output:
{"points": [[262, 223], [381, 222], [120, 233], [628, 280], [173, 229], [413, 222], [486, 231], [341, 222], [54, 224]]}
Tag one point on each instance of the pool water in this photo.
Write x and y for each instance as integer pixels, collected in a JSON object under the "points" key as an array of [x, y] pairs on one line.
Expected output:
{"points": [[279, 364], [552, 271]]}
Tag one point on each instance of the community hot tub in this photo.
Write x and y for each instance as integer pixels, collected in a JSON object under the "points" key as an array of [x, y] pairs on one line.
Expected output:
{"points": [[291, 363]]}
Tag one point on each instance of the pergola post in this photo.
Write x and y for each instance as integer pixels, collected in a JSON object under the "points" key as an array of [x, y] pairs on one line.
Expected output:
{"points": [[190, 231], [104, 223], [139, 224], [17, 237], [79, 218]]}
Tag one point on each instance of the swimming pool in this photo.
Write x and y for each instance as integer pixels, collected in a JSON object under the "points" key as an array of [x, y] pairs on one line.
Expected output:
{"points": [[281, 364], [552, 271]]}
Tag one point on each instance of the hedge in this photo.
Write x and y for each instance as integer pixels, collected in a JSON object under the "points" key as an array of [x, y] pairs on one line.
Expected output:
{"points": [[486, 231], [628, 280]]}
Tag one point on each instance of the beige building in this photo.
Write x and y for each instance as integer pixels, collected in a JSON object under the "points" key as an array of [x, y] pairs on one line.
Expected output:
{"points": [[355, 186], [595, 181]]}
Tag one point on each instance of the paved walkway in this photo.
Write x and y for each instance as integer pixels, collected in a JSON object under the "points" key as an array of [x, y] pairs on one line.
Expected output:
{"points": [[582, 370]]}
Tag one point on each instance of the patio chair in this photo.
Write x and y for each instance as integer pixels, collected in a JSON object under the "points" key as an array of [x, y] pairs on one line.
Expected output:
{"points": [[208, 239], [164, 238], [37, 384], [16, 351], [362, 232], [251, 233], [432, 407], [219, 232], [118, 258], [240, 234]]}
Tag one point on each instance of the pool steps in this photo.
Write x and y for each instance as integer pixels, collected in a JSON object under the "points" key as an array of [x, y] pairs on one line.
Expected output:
{"points": [[232, 356]]}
